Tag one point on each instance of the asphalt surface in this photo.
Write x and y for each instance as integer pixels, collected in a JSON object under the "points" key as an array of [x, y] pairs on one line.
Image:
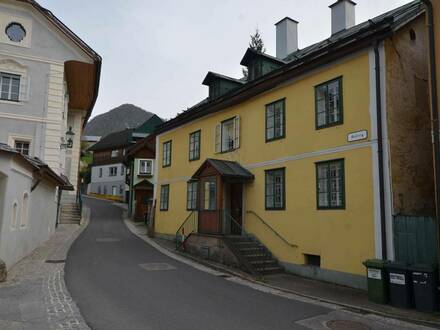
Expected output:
{"points": [[112, 290]]}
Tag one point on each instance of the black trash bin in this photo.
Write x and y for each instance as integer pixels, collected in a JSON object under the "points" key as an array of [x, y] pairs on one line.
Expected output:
{"points": [[425, 283], [400, 285]]}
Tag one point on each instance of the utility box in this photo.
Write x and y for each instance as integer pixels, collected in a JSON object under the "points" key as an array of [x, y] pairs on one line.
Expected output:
{"points": [[377, 280], [400, 285], [425, 287]]}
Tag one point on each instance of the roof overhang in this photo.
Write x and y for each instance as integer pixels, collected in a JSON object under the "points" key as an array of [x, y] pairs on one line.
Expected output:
{"points": [[291, 70], [252, 54], [228, 170]]}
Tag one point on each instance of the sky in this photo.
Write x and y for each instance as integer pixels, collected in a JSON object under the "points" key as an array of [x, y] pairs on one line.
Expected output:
{"points": [[157, 53]]}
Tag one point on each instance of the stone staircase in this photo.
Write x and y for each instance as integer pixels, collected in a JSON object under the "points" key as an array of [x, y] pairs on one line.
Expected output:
{"points": [[254, 256], [70, 214]]}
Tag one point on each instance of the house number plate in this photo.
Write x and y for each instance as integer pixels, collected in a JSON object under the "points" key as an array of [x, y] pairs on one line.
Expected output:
{"points": [[357, 136]]}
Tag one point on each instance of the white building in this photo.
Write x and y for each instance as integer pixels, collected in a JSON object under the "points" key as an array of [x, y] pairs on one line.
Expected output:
{"points": [[49, 82]]}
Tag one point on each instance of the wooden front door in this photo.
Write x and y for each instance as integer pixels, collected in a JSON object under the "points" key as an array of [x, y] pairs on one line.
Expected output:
{"points": [[209, 206], [142, 198], [236, 196]]}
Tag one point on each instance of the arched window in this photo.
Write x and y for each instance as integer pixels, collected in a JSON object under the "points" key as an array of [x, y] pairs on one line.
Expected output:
{"points": [[14, 215], [24, 210]]}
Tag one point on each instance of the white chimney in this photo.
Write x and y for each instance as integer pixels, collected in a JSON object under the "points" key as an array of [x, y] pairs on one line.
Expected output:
{"points": [[343, 15], [287, 37]]}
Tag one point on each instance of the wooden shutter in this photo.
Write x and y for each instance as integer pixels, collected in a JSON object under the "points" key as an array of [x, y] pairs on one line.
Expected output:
{"points": [[237, 132], [218, 145]]}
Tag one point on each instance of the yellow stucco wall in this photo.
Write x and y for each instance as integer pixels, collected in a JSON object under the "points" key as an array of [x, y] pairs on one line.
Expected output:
{"points": [[343, 238]]}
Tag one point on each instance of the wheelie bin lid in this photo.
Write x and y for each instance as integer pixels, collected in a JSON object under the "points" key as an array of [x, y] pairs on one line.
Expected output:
{"points": [[402, 266], [375, 263], [426, 268]]}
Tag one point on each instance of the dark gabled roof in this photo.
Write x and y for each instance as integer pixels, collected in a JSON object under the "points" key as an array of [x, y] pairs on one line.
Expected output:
{"points": [[214, 76], [114, 140], [395, 18], [149, 125], [227, 169], [144, 184], [39, 166], [340, 44], [252, 53]]}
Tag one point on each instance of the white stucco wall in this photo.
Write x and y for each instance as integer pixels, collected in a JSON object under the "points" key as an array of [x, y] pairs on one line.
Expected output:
{"points": [[98, 183], [19, 236], [42, 116]]}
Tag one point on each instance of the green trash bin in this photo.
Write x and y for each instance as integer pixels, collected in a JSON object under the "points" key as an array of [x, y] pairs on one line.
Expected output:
{"points": [[377, 280]]}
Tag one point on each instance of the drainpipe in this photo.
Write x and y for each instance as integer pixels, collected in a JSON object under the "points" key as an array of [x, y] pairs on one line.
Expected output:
{"points": [[435, 115], [380, 152]]}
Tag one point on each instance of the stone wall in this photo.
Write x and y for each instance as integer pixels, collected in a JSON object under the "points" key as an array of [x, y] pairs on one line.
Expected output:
{"points": [[409, 121], [211, 248]]}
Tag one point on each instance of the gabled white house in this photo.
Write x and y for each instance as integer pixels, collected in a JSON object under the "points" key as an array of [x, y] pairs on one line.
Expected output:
{"points": [[49, 81]]}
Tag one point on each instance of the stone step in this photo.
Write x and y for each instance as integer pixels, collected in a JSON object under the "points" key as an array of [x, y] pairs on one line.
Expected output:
{"points": [[252, 250], [264, 262], [258, 256], [270, 270]]}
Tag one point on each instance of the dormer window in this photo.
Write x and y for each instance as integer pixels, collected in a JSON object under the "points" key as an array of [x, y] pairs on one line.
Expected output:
{"points": [[219, 84], [259, 64], [15, 32]]}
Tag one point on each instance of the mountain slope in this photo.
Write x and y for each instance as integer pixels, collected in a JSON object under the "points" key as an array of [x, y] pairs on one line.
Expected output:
{"points": [[123, 117]]}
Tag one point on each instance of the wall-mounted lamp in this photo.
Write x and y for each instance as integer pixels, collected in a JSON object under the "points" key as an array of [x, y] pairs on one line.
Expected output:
{"points": [[69, 139]]}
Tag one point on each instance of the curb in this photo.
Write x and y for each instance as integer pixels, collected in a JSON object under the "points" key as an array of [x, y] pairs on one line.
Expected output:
{"points": [[221, 268]]}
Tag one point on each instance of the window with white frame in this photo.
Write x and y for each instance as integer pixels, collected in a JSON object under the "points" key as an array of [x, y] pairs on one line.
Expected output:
{"points": [[112, 171], [122, 169], [100, 172], [10, 87], [115, 153], [227, 135], [22, 146], [145, 167]]}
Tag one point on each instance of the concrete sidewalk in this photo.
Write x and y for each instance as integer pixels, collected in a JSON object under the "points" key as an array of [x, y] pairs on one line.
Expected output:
{"points": [[348, 298], [35, 295]]}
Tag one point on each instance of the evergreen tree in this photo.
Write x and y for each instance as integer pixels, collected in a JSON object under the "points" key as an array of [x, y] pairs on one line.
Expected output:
{"points": [[256, 44]]}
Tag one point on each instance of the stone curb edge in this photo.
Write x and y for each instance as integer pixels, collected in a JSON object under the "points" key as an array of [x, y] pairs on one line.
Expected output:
{"points": [[218, 268]]}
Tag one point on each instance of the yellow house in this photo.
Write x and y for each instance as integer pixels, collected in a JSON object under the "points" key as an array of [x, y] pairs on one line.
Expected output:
{"points": [[313, 156]]}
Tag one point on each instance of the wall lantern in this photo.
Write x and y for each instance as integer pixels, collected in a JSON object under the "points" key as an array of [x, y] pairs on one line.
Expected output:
{"points": [[69, 139]]}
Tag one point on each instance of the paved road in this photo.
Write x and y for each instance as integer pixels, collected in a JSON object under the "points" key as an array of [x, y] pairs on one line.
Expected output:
{"points": [[113, 292]]}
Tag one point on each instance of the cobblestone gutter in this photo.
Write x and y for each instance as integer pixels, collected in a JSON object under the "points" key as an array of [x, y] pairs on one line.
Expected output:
{"points": [[35, 295]]}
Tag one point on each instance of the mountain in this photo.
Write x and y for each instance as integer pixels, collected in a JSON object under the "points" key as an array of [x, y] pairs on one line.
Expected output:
{"points": [[123, 117]]}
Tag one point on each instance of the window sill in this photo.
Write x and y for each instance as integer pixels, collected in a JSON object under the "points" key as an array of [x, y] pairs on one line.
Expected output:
{"points": [[142, 175], [275, 209], [11, 102], [339, 208], [275, 139], [329, 125]]}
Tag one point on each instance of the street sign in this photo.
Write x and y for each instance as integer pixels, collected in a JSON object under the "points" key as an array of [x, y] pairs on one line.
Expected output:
{"points": [[357, 136]]}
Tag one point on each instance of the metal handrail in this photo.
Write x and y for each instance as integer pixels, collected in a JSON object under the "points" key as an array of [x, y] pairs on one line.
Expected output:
{"points": [[273, 230], [180, 232]]}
